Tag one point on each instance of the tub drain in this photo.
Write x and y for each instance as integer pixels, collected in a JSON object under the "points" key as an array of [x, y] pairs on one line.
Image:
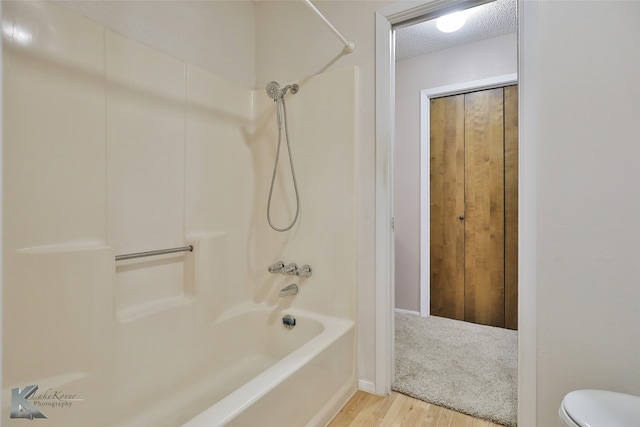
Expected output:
{"points": [[289, 321]]}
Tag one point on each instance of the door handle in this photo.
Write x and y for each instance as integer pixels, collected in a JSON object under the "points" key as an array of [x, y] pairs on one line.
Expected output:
{"points": [[461, 217]]}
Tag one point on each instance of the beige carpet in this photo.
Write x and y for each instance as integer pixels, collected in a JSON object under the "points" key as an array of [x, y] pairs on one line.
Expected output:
{"points": [[462, 366]]}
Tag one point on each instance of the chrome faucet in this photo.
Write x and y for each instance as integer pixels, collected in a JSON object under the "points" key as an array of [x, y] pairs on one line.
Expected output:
{"points": [[305, 271], [291, 289], [278, 267], [290, 269]]}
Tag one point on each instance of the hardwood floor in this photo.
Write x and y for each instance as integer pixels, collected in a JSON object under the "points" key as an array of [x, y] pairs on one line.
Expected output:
{"points": [[365, 409]]}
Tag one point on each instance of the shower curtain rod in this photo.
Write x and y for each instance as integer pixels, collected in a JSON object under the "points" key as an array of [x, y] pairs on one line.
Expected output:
{"points": [[348, 46]]}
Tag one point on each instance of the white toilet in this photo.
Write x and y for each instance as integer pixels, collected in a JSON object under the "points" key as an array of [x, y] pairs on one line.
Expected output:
{"points": [[600, 408]]}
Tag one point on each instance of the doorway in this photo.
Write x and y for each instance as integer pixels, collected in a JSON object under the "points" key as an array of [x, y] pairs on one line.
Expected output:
{"points": [[398, 223], [385, 19]]}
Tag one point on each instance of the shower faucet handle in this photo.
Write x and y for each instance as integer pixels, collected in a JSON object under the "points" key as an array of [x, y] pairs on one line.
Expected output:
{"points": [[305, 271], [278, 267], [290, 269]]}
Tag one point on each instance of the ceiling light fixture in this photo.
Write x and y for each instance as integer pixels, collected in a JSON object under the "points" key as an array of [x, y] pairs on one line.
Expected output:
{"points": [[452, 22]]}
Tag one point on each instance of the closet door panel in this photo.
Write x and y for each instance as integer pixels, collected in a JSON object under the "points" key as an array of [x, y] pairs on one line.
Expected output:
{"points": [[484, 198], [446, 206]]}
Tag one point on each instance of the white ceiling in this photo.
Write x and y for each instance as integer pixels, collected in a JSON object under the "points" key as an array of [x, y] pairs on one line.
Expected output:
{"points": [[487, 21]]}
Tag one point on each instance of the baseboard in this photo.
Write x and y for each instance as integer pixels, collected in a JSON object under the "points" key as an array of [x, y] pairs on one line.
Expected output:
{"points": [[367, 386], [402, 311]]}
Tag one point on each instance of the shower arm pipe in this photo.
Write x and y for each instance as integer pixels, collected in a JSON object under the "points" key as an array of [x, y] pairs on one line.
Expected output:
{"points": [[154, 253], [348, 46]]}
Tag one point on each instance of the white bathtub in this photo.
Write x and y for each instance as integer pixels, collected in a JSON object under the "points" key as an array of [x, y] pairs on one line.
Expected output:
{"points": [[249, 370], [262, 374], [273, 376]]}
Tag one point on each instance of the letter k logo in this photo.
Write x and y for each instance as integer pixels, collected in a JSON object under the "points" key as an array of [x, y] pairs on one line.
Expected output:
{"points": [[21, 407]]}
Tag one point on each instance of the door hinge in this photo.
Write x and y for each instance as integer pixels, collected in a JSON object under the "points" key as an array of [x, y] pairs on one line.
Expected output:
{"points": [[393, 224]]}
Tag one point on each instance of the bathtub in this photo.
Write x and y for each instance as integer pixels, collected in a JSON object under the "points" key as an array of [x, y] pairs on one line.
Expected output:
{"points": [[259, 373], [262, 374], [249, 370], [274, 376]]}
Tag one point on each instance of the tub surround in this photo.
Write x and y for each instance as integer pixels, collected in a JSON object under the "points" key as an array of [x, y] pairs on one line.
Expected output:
{"points": [[113, 147]]}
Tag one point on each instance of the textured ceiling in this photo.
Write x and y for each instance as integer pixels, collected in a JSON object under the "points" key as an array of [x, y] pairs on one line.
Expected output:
{"points": [[487, 21]]}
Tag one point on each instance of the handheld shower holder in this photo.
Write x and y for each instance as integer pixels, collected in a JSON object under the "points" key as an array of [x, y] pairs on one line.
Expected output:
{"points": [[294, 88]]}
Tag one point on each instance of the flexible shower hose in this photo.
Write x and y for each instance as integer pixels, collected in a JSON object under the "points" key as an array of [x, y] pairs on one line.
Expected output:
{"points": [[281, 105]]}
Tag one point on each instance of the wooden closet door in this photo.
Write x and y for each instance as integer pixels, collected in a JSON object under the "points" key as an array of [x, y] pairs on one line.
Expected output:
{"points": [[474, 207], [446, 206], [484, 199]]}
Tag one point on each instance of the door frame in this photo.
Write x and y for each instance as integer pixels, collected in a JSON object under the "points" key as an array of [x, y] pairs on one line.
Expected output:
{"points": [[529, 32], [425, 144]]}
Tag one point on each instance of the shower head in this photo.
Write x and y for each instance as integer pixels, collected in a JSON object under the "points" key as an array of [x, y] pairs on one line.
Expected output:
{"points": [[275, 92]]}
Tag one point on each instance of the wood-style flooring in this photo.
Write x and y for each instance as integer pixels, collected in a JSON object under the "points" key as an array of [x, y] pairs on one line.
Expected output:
{"points": [[365, 409]]}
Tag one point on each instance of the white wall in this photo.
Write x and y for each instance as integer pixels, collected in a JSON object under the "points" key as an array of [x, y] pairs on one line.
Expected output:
{"points": [[483, 59], [587, 103], [216, 35], [103, 155], [323, 157]]}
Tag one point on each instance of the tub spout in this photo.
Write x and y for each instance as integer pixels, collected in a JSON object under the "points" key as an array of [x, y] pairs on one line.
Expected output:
{"points": [[292, 289]]}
